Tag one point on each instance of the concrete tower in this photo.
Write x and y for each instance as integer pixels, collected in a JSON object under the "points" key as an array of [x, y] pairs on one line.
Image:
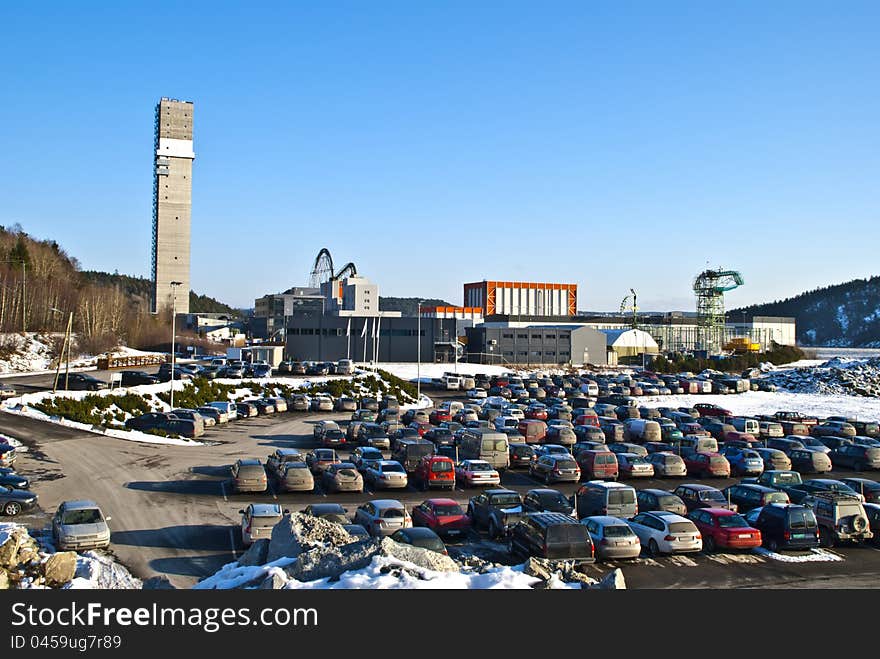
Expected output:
{"points": [[172, 203]]}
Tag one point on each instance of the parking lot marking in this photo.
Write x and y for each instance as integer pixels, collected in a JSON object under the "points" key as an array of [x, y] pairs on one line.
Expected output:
{"points": [[223, 490], [232, 544]]}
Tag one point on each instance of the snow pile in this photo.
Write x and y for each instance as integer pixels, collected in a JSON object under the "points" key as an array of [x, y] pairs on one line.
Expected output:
{"points": [[754, 403], [839, 375], [32, 353], [96, 571], [813, 556]]}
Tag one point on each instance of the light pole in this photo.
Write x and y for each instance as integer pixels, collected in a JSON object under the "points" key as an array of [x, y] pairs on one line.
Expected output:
{"points": [[174, 285], [64, 345], [419, 351]]}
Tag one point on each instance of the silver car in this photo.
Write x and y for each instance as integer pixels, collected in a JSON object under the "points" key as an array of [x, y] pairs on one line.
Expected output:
{"points": [[382, 517], [257, 521], [80, 525], [612, 537], [668, 464], [386, 474], [662, 532], [295, 477], [217, 414]]}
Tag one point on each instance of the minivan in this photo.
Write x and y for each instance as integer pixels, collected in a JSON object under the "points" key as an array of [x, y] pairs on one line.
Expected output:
{"points": [[788, 526], [697, 444], [743, 424], [534, 430], [410, 451], [598, 464], [599, 498], [484, 444], [642, 430]]}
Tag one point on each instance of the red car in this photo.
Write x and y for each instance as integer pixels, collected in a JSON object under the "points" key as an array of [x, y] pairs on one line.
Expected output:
{"points": [[724, 529], [438, 416], [422, 428], [443, 516], [435, 471], [707, 464], [711, 409], [538, 413]]}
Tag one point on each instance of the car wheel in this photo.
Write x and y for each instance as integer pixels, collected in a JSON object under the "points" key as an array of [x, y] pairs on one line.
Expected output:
{"points": [[653, 549], [826, 538], [12, 508], [709, 544], [546, 479], [859, 466], [773, 545], [493, 530]]}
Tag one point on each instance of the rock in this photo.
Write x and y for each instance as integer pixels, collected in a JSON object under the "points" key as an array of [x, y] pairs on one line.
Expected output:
{"points": [[330, 562], [612, 581], [538, 568], [296, 533], [4, 580], [17, 547], [423, 558], [59, 568], [158, 583], [256, 554], [274, 581]]}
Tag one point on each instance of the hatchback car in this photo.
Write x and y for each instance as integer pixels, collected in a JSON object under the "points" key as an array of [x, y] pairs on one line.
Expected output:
{"points": [[631, 465], [652, 499], [662, 532], [258, 520], [554, 468], [321, 458], [724, 529], [521, 455], [546, 500], [14, 501], [668, 465], [364, 456], [748, 496], [696, 495], [342, 477], [551, 535], [386, 475], [382, 517], [249, 475], [612, 537], [332, 512], [79, 525], [443, 516]]}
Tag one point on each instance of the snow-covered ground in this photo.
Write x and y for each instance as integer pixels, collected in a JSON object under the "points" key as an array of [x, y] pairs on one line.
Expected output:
{"points": [[753, 403], [33, 355], [425, 372], [381, 574]]}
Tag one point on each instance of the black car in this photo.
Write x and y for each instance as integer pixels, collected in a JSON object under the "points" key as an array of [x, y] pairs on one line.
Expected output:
{"points": [[148, 421], [867, 488], [13, 501], [134, 378], [787, 526], [13, 480], [81, 382], [164, 373], [521, 455], [546, 501], [440, 436], [651, 500], [551, 535], [748, 496]]}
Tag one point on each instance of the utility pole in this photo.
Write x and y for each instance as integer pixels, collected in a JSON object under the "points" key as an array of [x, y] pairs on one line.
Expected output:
{"points": [[419, 351], [174, 285]]}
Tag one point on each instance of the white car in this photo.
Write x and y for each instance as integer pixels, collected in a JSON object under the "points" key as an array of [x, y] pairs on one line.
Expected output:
{"points": [[476, 393], [385, 474], [503, 422], [382, 517], [515, 412], [477, 472], [662, 532], [257, 521]]}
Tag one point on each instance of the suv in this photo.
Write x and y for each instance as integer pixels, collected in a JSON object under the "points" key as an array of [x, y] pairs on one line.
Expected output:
{"points": [[496, 509], [555, 467], [787, 526], [552, 535], [841, 517], [599, 498]]}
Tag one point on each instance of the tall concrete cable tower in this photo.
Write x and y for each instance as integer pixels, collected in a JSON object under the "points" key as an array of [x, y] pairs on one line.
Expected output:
{"points": [[172, 203]]}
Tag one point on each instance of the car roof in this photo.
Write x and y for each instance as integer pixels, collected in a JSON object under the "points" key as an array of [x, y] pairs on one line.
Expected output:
{"points": [[389, 462], [386, 503], [442, 502], [698, 486], [249, 462], [667, 516], [327, 508], [543, 490], [419, 532], [719, 512], [78, 504], [288, 451], [500, 490], [659, 492], [266, 509], [607, 520]]}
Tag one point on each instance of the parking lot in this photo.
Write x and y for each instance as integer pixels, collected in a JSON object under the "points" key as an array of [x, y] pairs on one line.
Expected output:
{"points": [[174, 512]]}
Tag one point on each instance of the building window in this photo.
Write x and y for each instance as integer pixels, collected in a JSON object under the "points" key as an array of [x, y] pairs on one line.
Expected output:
{"points": [[523, 336], [536, 353], [549, 353], [536, 337], [564, 353], [507, 336], [508, 353], [523, 353]]}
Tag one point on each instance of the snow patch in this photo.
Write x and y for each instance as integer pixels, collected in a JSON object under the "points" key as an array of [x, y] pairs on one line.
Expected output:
{"points": [[813, 556]]}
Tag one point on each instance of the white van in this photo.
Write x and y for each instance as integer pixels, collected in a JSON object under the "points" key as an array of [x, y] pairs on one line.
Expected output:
{"points": [[484, 444], [451, 382], [642, 430], [746, 425], [228, 408], [345, 367]]}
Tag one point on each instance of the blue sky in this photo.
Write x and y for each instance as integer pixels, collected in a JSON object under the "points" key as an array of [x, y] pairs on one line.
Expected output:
{"points": [[610, 144]]}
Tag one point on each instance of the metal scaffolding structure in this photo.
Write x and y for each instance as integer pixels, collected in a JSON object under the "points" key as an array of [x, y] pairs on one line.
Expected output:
{"points": [[709, 287]]}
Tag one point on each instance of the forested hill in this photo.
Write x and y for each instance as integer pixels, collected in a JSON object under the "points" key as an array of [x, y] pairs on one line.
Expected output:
{"points": [[845, 315]]}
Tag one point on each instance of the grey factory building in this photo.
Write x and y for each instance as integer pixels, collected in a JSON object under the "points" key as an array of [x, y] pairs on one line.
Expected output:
{"points": [[536, 345]]}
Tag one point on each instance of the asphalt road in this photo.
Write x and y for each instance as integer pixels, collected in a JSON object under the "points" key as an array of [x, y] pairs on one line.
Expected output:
{"points": [[174, 515]]}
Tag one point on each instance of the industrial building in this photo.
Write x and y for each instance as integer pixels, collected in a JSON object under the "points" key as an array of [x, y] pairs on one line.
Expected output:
{"points": [[271, 310], [533, 345], [172, 204], [521, 298]]}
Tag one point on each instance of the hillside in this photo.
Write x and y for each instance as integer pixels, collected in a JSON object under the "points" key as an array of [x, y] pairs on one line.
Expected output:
{"points": [[845, 315], [408, 306]]}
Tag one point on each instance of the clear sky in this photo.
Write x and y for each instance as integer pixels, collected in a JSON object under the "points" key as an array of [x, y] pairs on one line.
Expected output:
{"points": [[609, 144]]}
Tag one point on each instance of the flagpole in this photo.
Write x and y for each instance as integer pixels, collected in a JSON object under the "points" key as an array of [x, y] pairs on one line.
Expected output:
{"points": [[376, 342], [348, 340], [366, 320]]}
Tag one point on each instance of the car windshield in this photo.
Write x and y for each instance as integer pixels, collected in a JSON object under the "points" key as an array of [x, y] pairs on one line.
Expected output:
{"points": [[505, 500], [494, 445], [668, 501], [681, 527], [548, 499], [711, 495], [621, 496], [392, 466], [441, 466], [732, 521], [617, 531], [787, 479], [447, 509], [84, 516], [480, 466]]}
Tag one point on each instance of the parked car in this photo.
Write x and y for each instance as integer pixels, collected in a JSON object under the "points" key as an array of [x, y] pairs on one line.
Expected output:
{"points": [[257, 521], [662, 532], [748, 496], [473, 473], [546, 500], [724, 529], [443, 516], [869, 489], [798, 492], [667, 465], [651, 499], [495, 510], [246, 410], [421, 537], [600, 498], [321, 428], [386, 474], [382, 517], [14, 501], [809, 461], [135, 378], [363, 456], [213, 413], [521, 455], [786, 526], [281, 456], [598, 464], [553, 536], [294, 476], [743, 461], [555, 467], [696, 495], [631, 465], [435, 471], [321, 458], [859, 458], [300, 403], [195, 417], [249, 475], [146, 422], [774, 459], [79, 525], [612, 537], [841, 518], [9, 478], [704, 465], [342, 477], [321, 403], [332, 512]]}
